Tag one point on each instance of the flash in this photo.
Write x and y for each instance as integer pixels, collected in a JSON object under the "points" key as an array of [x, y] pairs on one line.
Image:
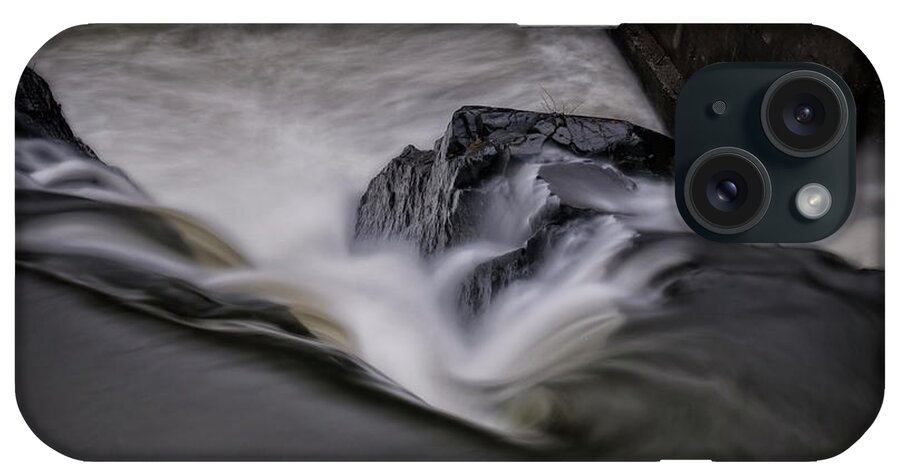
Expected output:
{"points": [[813, 201]]}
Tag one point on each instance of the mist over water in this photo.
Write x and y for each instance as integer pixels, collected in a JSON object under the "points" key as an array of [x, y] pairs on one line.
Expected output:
{"points": [[272, 133], [258, 143]]}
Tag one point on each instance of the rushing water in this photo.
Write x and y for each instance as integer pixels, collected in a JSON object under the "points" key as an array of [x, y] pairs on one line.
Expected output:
{"points": [[264, 129], [249, 130], [85, 223], [255, 143]]}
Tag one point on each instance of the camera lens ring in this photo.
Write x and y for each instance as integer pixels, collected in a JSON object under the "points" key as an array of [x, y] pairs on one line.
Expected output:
{"points": [[751, 163], [840, 128]]}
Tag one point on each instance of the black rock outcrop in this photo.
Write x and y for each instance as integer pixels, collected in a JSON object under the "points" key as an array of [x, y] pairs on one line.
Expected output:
{"points": [[435, 199], [39, 115]]}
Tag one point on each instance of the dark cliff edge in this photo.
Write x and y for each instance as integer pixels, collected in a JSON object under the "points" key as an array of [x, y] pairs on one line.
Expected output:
{"points": [[38, 115], [434, 199]]}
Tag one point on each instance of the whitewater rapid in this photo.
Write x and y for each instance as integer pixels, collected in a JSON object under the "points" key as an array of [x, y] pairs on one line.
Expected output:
{"points": [[388, 308]]}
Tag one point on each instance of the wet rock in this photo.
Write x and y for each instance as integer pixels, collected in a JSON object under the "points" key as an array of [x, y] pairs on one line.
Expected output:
{"points": [[493, 275], [436, 199], [433, 198], [39, 115]]}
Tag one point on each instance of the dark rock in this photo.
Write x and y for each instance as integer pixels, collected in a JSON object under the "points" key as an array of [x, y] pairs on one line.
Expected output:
{"points": [[436, 199], [39, 115], [394, 192], [493, 275], [433, 198], [661, 78]]}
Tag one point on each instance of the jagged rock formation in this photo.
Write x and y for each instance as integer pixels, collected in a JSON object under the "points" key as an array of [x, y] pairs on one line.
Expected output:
{"points": [[39, 115], [435, 198]]}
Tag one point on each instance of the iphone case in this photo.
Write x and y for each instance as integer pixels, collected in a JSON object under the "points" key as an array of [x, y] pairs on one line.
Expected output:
{"points": [[440, 242]]}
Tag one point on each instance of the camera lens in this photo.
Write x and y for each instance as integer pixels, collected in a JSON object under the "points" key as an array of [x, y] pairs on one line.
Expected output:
{"points": [[804, 113], [727, 190]]}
